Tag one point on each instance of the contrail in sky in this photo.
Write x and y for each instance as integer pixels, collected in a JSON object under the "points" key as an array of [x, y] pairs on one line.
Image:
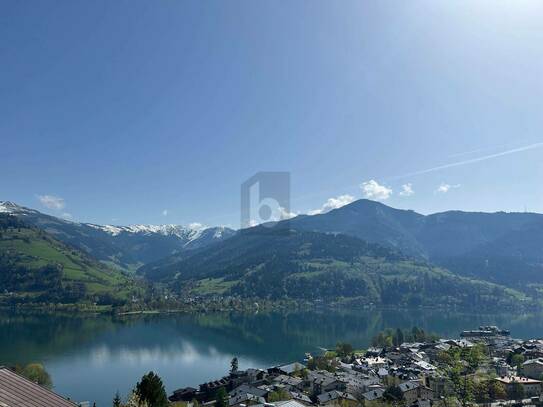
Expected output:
{"points": [[471, 161]]}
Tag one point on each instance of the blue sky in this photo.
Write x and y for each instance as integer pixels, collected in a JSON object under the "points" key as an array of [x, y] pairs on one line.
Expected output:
{"points": [[156, 112]]}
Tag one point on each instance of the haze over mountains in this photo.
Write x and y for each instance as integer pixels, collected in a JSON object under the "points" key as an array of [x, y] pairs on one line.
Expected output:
{"points": [[364, 251]]}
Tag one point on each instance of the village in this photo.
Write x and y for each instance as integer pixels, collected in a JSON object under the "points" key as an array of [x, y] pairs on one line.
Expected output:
{"points": [[407, 368]]}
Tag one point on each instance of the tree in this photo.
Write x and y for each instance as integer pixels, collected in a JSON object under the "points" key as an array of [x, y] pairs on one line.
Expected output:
{"points": [[36, 373], [463, 387], [481, 391], [496, 391], [445, 358], [398, 338], [279, 395], [234, 365], [221, 398], [343, 349], [474, 355], [117, 400], [151, 390], [517, 360]]}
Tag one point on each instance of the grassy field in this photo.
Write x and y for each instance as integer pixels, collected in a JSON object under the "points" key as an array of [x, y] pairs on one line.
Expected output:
{"points": [[211, 286], [33, 249]]}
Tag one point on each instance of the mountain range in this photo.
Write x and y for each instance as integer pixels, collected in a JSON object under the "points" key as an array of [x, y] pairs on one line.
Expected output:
{"points": [[491, 246], [364, 251], [278, 262], [124, 247]]}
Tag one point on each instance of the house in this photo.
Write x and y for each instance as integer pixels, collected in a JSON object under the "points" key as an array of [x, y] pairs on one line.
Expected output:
{"points": [[373, 395], [287, 369], [382, 373], [322, 381], [248, 389], [533, 368], [256, 375], [184, 394], [289, 382], [425, 366], [245, 399], [422, 403], [237, 378], [334, 397], [412, 391], [356, 383], [504, 369], [373, 362], [301, 398], [210, 388], [15, 391], [285, 403], [531, 387], [373, 352]]}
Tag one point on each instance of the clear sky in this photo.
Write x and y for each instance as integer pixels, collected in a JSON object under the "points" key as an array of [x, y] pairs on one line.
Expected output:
{"points": [[156, 111]]}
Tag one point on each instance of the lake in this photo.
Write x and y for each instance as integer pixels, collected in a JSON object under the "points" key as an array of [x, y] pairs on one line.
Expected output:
{"points": [[90, 358]]}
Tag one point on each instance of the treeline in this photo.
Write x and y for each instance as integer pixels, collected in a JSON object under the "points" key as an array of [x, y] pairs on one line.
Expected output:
{"points": [[42, 284], [7, 221], [395, 337]]}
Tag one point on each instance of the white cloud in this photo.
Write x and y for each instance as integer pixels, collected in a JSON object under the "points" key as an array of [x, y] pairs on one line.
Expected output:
{"points": [[165, 212], [333, 203], [284, 214], [67, 215], [444, 188], [373, 190], [407, 190], [52, 202]]}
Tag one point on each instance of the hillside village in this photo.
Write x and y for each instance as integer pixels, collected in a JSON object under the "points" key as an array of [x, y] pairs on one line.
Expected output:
{"points": [[486, 367]]}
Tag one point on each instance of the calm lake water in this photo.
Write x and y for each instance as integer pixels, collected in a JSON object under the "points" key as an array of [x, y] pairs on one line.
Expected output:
{"points": [[90, 358]]}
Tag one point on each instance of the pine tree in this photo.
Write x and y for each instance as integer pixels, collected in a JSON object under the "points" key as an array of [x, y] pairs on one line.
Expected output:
{"points": [[234, 365], [151, 390], [221, 399], [117, 400]]}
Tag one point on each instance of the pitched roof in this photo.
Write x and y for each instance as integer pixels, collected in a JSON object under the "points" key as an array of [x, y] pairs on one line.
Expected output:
{"points": [[240, 398], [517, 379], [290, 367], [16, 391], [284, 403], [406, 386], [373, 394], [246, 388], [334, 395], [533, 362]]}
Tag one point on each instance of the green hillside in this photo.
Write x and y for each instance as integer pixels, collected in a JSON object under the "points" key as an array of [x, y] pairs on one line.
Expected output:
{"points": [[35, 267], [277, 263]]}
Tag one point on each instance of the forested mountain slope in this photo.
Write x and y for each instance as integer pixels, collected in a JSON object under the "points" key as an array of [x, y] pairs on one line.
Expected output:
{"points": [[282, 263]]}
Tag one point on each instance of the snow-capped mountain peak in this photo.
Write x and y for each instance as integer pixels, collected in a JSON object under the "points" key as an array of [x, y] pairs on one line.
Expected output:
{"points": [[13, 208], [187, 232]]}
